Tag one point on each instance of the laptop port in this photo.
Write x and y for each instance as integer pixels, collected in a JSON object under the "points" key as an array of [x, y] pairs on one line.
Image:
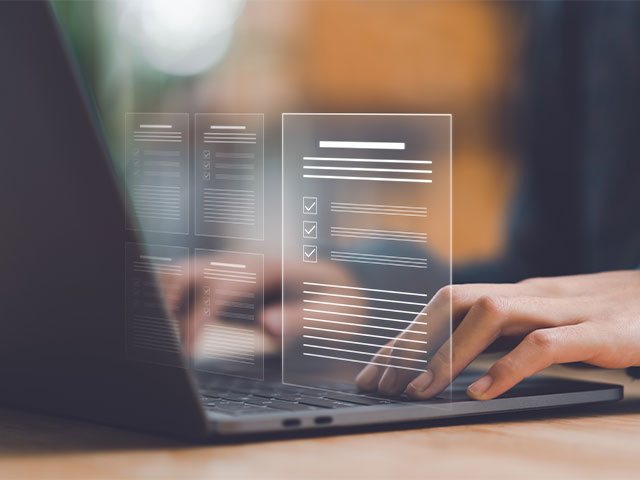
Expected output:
{"points": [[291, 422], [323, 420]]}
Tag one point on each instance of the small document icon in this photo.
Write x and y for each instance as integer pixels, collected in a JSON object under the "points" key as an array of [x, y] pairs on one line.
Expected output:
{"points": [[309, 253]]}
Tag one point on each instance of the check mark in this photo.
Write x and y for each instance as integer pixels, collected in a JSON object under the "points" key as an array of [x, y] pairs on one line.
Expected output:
{"points": [[310, 205], [309, 229], [309, 253]]}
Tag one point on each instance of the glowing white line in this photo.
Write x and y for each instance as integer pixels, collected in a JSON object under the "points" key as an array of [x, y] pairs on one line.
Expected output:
{"points": [[153, 257], [365, 212], [365, 334], [367, 160], [227, 190], [225, 141], [138, 269], [363, 353], [229, 138], [364, 308], [148, 125], [355, 324], [380, 231], [233, 194], [234, 265], [373, 179], [229, 134], [364, 316], [362, 343], [362, 169], [364, 361], [228, 279], [368, 145], [366, 289], [228, 221], [391, 239], [364, 298], [228, 127], [227, 273], [378, 263], [381, 257]]}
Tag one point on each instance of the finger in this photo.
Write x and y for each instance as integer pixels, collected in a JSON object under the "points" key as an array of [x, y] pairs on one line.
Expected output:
{"points": [[450, 305], [489, 318], [540, 349], [272, 318], [404, 365], [408, 355], [367, 380]]}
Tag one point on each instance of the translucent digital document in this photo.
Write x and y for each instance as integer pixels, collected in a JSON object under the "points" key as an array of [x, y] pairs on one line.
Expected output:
{"points": [[155, 276], [157, 171], [229, 338], [363, 197], [229, 165]]}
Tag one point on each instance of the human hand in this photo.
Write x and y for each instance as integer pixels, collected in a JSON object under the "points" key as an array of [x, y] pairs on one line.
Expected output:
{"points": [[589, 318], [177, 292]]}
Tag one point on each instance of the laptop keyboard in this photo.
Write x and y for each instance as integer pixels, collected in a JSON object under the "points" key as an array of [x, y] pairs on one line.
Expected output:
{"points": [[255, 398]]}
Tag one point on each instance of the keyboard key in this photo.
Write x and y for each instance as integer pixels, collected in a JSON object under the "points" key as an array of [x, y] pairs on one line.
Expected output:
{"points": [[235, 397], [288, 397], [258, 401]]}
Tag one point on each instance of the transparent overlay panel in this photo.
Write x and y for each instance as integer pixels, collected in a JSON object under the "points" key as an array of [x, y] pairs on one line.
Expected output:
{"points": [[229, 298], [157, 171], [154, 279], [363, 197], [229, 183]]}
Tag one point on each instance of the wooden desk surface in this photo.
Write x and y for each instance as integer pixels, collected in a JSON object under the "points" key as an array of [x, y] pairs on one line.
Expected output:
{"points": [[576, 442]]}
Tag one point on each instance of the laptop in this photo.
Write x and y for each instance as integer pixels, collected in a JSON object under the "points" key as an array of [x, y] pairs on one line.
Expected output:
{"points": [[63, 329]]}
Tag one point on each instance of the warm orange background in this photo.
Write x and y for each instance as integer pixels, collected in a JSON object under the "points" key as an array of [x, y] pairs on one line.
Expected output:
{"points": [[423, 57]]}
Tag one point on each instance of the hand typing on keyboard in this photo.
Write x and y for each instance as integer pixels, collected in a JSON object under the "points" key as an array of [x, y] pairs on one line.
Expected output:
{"points": [[588, 318], [179, 292]]}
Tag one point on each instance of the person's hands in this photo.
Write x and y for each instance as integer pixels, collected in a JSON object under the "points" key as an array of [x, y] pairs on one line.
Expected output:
{"points": [[177, 291], [589, 318]]}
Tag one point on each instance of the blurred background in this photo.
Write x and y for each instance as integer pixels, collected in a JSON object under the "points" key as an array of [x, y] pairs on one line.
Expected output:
{"points": [[460, 57]]}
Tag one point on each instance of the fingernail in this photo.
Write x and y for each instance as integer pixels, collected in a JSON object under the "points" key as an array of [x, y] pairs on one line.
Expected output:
{"points": [[480, 386], [421, 382], [388, 381], [273, 321], [367, 377]]}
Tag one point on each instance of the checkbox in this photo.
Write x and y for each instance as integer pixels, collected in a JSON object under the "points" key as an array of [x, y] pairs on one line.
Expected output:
{"points": [[309, 229], [310, 253], [206, 154], [207, 175], [207, 290], [310, 205], [206, 163]]}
